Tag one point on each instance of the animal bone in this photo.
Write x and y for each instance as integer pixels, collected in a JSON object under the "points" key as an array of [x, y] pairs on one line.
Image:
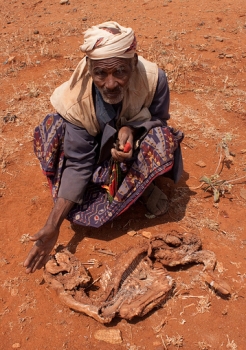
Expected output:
{"points": [[134, 286]]}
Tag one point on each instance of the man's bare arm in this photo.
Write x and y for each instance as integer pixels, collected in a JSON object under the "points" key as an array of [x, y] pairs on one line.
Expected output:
{"points": [[46, 238]]}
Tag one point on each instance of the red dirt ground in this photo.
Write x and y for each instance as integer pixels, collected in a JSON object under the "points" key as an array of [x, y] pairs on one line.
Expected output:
{"points": [[201, 46]]}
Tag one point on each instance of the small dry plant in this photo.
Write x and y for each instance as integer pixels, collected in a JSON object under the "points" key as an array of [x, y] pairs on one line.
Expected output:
{"points": [[33, 90], [231, 344], [176, 341], [203, 305], [203, 345], [25, 238], [214, 183]]}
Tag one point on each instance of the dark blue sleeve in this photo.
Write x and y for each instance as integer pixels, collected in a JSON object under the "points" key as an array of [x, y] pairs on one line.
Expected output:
{"points": [[159, 108], [80, 154]]}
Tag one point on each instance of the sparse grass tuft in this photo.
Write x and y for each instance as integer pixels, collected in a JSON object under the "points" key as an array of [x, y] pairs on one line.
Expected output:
{"points": [[231, 344], [176, 341], [214, 183], [203, 345]]}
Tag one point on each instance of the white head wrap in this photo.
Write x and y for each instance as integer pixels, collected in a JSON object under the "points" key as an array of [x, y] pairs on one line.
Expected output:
{"points": [[109, 39]]}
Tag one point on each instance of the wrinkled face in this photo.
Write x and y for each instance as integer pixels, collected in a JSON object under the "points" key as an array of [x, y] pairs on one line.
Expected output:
{"points": [[111, 76]]}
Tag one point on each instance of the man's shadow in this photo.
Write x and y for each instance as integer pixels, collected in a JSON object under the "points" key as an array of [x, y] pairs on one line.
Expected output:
{"points": [[134, 218]]}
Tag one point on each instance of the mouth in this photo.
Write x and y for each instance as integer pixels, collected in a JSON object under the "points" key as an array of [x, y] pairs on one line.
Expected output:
{"points": [[112, 94]]}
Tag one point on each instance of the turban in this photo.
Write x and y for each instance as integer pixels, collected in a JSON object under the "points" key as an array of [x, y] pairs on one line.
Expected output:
{"points": [[109, 39]]}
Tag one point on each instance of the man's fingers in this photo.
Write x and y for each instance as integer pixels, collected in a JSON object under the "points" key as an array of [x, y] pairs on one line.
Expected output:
{"points": [[120, 156], [115, 154], [30, 264], [28, 270], [44, 242], [41, 261], [30, 257], [125, 135], [123, 142], [34, 258], [37, 263]]}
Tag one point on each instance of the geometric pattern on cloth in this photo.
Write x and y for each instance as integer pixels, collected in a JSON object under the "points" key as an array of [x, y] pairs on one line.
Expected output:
{"points": [[48, 147], [154, 158]]}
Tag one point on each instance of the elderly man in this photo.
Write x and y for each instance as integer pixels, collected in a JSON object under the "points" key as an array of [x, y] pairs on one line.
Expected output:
{"points": [[108, 139]]}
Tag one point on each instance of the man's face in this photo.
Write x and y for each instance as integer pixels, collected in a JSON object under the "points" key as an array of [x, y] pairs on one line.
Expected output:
{"points": [[111, 76]]}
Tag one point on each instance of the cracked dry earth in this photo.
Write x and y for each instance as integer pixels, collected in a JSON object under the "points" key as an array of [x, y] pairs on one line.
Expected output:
{"points": [[201, 46]]}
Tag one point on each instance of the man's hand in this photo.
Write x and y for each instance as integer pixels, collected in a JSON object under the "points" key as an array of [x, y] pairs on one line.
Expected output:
{"points": [[46, 238], [125, 136], [45, 241]]}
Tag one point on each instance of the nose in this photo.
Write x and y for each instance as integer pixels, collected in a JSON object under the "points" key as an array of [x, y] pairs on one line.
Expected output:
{"points": [[110, 82]]}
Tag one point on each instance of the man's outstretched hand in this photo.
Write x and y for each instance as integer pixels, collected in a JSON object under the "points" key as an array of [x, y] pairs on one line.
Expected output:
{"points": [[45, 241], [46, 238]]}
